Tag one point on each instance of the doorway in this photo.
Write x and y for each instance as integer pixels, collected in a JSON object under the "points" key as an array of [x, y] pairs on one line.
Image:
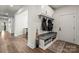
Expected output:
{"points": [[67, 26]]}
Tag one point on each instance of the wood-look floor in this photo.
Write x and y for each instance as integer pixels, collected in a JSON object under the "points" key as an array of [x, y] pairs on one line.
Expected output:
{"points": [[10, 44], [64, 47]]}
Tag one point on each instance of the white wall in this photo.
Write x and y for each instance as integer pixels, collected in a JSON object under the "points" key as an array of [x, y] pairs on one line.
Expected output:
{"points": [[2, 24], [21, 22], [62, 11], [10, 25], [34, 22]]}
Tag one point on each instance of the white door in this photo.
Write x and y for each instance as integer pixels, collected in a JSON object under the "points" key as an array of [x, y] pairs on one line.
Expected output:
{"points": [[1, 26], [77, 30], [67, 27]]}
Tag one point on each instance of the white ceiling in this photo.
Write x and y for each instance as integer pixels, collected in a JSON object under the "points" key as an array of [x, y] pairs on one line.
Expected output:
{"points": [[7, 9]]}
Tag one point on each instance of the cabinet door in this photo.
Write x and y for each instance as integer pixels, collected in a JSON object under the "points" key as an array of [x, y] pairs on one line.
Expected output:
{"points": [[67, 26]]}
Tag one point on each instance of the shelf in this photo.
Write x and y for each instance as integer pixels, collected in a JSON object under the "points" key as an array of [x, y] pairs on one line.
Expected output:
{"points": [[46, 16]]}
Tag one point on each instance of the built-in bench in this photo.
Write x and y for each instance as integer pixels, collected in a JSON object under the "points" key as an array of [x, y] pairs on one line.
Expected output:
{"points": [[45, 40]]}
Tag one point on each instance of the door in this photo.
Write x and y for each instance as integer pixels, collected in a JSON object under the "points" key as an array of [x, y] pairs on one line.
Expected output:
{"points": [[77, 30], [67, 27], [1, 26]]}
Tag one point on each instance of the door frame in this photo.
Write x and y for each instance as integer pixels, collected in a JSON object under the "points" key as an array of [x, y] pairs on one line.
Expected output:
{"points": [[74, 15]]}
